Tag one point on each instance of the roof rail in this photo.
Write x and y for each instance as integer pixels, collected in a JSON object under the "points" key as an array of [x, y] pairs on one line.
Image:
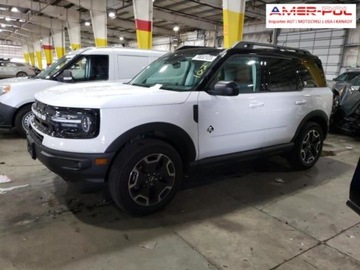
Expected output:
{"points": [[191, 47], [250, 45]]}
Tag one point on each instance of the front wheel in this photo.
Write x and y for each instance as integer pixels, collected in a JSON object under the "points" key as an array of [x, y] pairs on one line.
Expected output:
{"points": [[145, 176], [22, 120], [308, 146]]}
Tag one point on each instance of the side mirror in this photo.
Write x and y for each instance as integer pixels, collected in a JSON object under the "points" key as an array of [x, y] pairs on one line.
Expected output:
{"points": [[225, 88], [66, 76]]}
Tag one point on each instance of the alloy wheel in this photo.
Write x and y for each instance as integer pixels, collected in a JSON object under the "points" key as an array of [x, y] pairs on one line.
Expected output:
{"points": [[26, 120], [151, 179], [310, 147]]}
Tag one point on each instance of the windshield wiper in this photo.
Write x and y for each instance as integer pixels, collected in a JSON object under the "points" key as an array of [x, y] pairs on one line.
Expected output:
{"points": [[142, 85]]}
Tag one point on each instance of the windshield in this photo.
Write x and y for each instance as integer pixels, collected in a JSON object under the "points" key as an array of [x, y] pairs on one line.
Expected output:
{"points": [[355, 81], [180, 71], [55, 67]]}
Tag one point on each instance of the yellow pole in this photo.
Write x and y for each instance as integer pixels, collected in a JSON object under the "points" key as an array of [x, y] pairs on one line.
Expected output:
{"points": [[233, 17]]}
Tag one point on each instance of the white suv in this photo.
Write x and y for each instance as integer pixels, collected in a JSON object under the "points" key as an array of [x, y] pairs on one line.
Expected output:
{"points": [[197, 105], [84, 65]]}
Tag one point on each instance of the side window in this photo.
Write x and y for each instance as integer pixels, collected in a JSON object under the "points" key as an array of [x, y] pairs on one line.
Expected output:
{"points": [[99, 67], [11, 65], [78, 69], [90, 68], [243, 70], [281, 75]]}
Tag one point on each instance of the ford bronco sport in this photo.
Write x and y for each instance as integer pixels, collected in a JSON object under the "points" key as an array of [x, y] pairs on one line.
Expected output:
{"points": [[189, 107]]}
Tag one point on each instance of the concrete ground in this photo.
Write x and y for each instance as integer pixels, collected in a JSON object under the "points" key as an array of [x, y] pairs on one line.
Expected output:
{"points": [[253, 215]]}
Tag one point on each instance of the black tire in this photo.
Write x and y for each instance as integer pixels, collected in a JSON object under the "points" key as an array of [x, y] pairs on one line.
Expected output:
{"points": [[308, 147], [145, 176], [22, 120], [21, 74]]}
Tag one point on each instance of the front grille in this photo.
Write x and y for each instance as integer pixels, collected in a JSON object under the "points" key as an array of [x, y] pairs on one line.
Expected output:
{"points": [[42, 116]]}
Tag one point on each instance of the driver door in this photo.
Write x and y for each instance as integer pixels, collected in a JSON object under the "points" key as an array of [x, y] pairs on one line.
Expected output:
{"points": [[230, 124]]}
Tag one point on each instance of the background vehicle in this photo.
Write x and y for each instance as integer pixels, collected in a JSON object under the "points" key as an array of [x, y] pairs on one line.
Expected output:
{"points": [[84, 65], [343, 78], [186, 108], [12, 69], [345, 115]]}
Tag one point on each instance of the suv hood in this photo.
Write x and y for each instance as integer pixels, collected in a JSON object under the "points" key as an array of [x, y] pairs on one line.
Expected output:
{"points": [[99, 95], [22, 90], [15, 79], [27, 81]]}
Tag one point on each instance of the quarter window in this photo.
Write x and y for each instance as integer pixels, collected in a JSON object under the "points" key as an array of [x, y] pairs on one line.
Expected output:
{"points": [[306, 80]]}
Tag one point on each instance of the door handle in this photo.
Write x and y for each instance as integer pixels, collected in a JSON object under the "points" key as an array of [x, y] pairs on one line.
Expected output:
{"points": [[256, 105], [300, 102]]}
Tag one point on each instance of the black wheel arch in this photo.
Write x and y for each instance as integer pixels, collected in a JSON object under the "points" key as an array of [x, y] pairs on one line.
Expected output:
{"points": [[170, 133], [316, 116]]}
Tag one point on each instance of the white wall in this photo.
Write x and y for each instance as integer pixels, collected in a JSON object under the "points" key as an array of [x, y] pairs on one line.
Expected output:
{"points": [[11, 51], [352, 49]]}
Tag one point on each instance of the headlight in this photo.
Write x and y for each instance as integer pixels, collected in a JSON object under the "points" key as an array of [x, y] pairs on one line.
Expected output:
{"points": [[72, 123], [75, 123], [4, 89]]}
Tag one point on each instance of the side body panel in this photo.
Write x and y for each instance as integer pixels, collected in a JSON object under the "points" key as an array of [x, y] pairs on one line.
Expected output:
{"points": [[230, 124]]}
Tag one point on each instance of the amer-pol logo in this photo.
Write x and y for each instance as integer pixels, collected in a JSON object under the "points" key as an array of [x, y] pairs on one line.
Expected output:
{"points": [[311, 16]]}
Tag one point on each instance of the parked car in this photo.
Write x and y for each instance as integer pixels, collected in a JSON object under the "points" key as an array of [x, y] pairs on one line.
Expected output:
{"points": [[347, 76], [84, 65], [345, 115], [343, 78], [354, 197], [11, 69], [187, 108]]}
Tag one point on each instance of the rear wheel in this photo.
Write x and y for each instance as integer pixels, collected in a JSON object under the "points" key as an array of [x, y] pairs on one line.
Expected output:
{"points": [[308, 146], [145, 176], [22, 120]]}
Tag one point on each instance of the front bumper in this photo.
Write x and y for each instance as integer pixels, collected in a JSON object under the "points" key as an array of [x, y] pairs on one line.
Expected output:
{"points": [[6, 115], [354, 200], [79, 168]]}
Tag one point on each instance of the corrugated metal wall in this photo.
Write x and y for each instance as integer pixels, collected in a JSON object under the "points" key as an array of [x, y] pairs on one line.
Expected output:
{"points": [[328, 44]]}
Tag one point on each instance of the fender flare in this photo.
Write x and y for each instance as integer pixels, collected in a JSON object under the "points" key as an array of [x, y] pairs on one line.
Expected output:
{"points": [[170, 133], [317, 116]]}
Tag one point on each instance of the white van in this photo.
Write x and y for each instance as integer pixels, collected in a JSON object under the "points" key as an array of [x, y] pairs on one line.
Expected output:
{"points": [[84, 65]]}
